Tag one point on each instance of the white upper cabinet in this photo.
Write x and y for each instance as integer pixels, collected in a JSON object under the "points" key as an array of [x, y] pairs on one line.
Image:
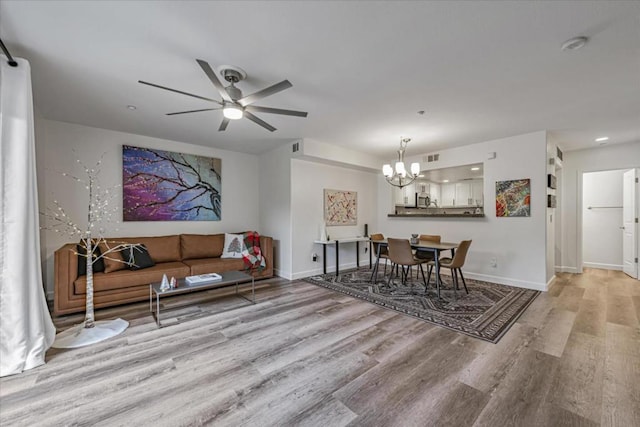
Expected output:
{"points": [[477, 192], [448, 194], [463, 194]]}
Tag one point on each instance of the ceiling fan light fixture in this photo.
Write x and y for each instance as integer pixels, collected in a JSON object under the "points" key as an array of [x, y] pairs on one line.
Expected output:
{"points": [[232, 112]]}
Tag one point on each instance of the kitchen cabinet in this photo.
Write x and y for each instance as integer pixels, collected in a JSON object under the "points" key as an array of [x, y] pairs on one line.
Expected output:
{"points": [[463, 194], [434, 193], [448, 194], [477, 192], [405, 196]]}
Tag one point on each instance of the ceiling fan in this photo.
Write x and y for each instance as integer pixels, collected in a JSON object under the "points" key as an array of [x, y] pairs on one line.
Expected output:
{"points": [[234, 105]]}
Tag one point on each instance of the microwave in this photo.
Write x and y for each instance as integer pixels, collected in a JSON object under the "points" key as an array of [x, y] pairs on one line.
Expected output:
{"points": [[422, 200]]}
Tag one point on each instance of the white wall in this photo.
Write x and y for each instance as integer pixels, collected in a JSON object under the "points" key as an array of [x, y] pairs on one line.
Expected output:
{"points": [[601, 232], [275, 205], [518, 243], [308, 181], [608, 157], [54, 145]]}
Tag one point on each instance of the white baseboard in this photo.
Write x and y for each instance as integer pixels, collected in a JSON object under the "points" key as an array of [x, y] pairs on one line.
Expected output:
{"points": [[508, 281], [282, 274], [330, 269], [566, 269], [550, 282], [602, 266]]}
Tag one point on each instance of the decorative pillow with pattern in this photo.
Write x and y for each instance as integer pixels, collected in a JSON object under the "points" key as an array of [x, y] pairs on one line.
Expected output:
{"points": [[233, 246]]}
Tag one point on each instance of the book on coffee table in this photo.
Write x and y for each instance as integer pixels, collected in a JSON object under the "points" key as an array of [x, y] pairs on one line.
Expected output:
{"points": [[202, 278]]}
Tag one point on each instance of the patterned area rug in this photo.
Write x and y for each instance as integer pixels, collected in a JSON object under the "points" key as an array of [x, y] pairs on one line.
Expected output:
{"points": [[487, 312]]}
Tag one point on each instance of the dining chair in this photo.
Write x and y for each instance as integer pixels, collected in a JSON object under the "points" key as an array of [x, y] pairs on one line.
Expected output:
{"points": [[455, 264], [401, 255], [426, 254], [384, 253]]}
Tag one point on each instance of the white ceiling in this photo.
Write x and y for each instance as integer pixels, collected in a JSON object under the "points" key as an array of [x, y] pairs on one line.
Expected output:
{"points": [[480, 70]]}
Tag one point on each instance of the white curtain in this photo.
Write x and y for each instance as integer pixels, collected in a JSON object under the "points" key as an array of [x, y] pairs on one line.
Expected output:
{"points": [[26, 329]]}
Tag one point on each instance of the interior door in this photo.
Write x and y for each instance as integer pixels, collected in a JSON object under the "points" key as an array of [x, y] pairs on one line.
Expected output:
{"points": [[629, 222]]}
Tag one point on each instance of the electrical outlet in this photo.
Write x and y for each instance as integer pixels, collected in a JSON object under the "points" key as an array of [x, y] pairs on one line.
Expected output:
{"points": [[314, 257], [493, 262]]}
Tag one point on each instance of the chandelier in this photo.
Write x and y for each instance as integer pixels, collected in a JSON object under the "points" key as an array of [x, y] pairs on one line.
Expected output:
{"points": [[399, 177]]}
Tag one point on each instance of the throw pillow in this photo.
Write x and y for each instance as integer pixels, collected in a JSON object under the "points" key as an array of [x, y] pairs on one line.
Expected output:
{"points": [[137, 257], [98, 266], [113, 260], [233, 246]]}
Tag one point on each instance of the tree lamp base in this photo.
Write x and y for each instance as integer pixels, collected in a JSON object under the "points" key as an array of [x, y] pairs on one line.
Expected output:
{"points": [[79, 336]]}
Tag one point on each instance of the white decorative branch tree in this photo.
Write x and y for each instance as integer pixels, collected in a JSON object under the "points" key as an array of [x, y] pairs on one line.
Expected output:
{"points": [[102, 211]]}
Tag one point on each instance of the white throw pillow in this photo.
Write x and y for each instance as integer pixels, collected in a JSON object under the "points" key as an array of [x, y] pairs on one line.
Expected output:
{"points": [[233, 246]]}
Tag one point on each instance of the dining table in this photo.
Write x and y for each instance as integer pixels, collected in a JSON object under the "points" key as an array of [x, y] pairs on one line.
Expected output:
{"points": [[423, 245]]}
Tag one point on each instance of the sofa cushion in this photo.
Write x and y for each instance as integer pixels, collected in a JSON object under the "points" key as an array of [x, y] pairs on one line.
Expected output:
{"points": [[161, 249], [112, 260], [128, 278], [214, 265], [137, 257], [98, 265], [195, 246]]}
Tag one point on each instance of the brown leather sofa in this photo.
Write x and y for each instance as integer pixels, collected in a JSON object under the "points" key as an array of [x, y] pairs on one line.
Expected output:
{"points": [[176, 256]]}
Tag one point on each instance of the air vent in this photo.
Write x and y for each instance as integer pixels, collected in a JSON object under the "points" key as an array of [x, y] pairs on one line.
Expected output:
{"points": [[296, 147], [431, 158]]}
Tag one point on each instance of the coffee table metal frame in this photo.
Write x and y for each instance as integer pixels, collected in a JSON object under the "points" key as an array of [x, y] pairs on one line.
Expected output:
{"points": [[229, 278]]}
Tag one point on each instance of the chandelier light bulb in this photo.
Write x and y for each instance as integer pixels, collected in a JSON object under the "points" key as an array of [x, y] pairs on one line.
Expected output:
{"points": [[399, 176]]}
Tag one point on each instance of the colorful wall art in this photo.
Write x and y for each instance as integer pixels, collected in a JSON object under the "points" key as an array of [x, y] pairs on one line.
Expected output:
{"points": [[340, 207], [513, 198], [165, 186]]}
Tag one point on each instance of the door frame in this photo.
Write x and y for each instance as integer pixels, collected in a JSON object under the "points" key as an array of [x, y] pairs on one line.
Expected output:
{"points": [[579, 230]]}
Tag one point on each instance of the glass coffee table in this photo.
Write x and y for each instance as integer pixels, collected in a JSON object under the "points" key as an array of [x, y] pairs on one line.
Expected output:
{"points": [[229, 278]]}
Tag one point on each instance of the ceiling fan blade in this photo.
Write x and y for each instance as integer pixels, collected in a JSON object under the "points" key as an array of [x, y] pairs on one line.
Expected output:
{"points": [[179, 91], [276, 111], [258, 121], [223, 125], [214, 79], [192, 111], [278, 87]]}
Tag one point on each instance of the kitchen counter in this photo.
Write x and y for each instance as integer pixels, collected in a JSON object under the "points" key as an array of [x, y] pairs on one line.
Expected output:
{"points": [[435, 215]]}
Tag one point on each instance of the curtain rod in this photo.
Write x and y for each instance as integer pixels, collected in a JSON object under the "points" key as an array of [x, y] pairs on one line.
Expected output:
{"points": [[11, 61]]}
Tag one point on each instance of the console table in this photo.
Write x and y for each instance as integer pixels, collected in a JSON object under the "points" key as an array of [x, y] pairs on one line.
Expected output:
{"points": [[337, 242]]}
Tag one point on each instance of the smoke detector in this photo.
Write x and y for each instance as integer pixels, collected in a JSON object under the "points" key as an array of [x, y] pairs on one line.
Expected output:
{"points": [[575, 43]]}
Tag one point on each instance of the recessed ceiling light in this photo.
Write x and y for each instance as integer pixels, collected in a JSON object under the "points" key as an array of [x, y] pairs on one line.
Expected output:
{"points": [[604, 138], [445, 180], [475, 168], [131, 107], [420, 176], [574, 43]]}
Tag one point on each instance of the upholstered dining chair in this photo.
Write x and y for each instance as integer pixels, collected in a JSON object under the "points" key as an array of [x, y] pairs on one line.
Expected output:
{"points": [[402, 256], [426, 254], [455, 264], [384, 253]]}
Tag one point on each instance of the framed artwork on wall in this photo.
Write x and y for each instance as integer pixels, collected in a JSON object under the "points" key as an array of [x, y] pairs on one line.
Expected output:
{"points": [[513, 198], [162, 185], [340, 207], [551, 181]]}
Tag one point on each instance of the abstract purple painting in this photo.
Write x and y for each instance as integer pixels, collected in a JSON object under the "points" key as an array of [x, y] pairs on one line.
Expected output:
{"points": [[166, 186]]}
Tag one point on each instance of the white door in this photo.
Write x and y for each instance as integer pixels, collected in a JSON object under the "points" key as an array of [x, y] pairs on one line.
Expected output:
{"points": [[630, 223]]}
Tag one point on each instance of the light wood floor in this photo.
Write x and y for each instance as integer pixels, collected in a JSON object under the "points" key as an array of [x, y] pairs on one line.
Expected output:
{"points": [[307, 356]]}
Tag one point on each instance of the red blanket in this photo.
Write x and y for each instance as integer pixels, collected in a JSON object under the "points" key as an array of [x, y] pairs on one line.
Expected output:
{"points": [[252, 256]]}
